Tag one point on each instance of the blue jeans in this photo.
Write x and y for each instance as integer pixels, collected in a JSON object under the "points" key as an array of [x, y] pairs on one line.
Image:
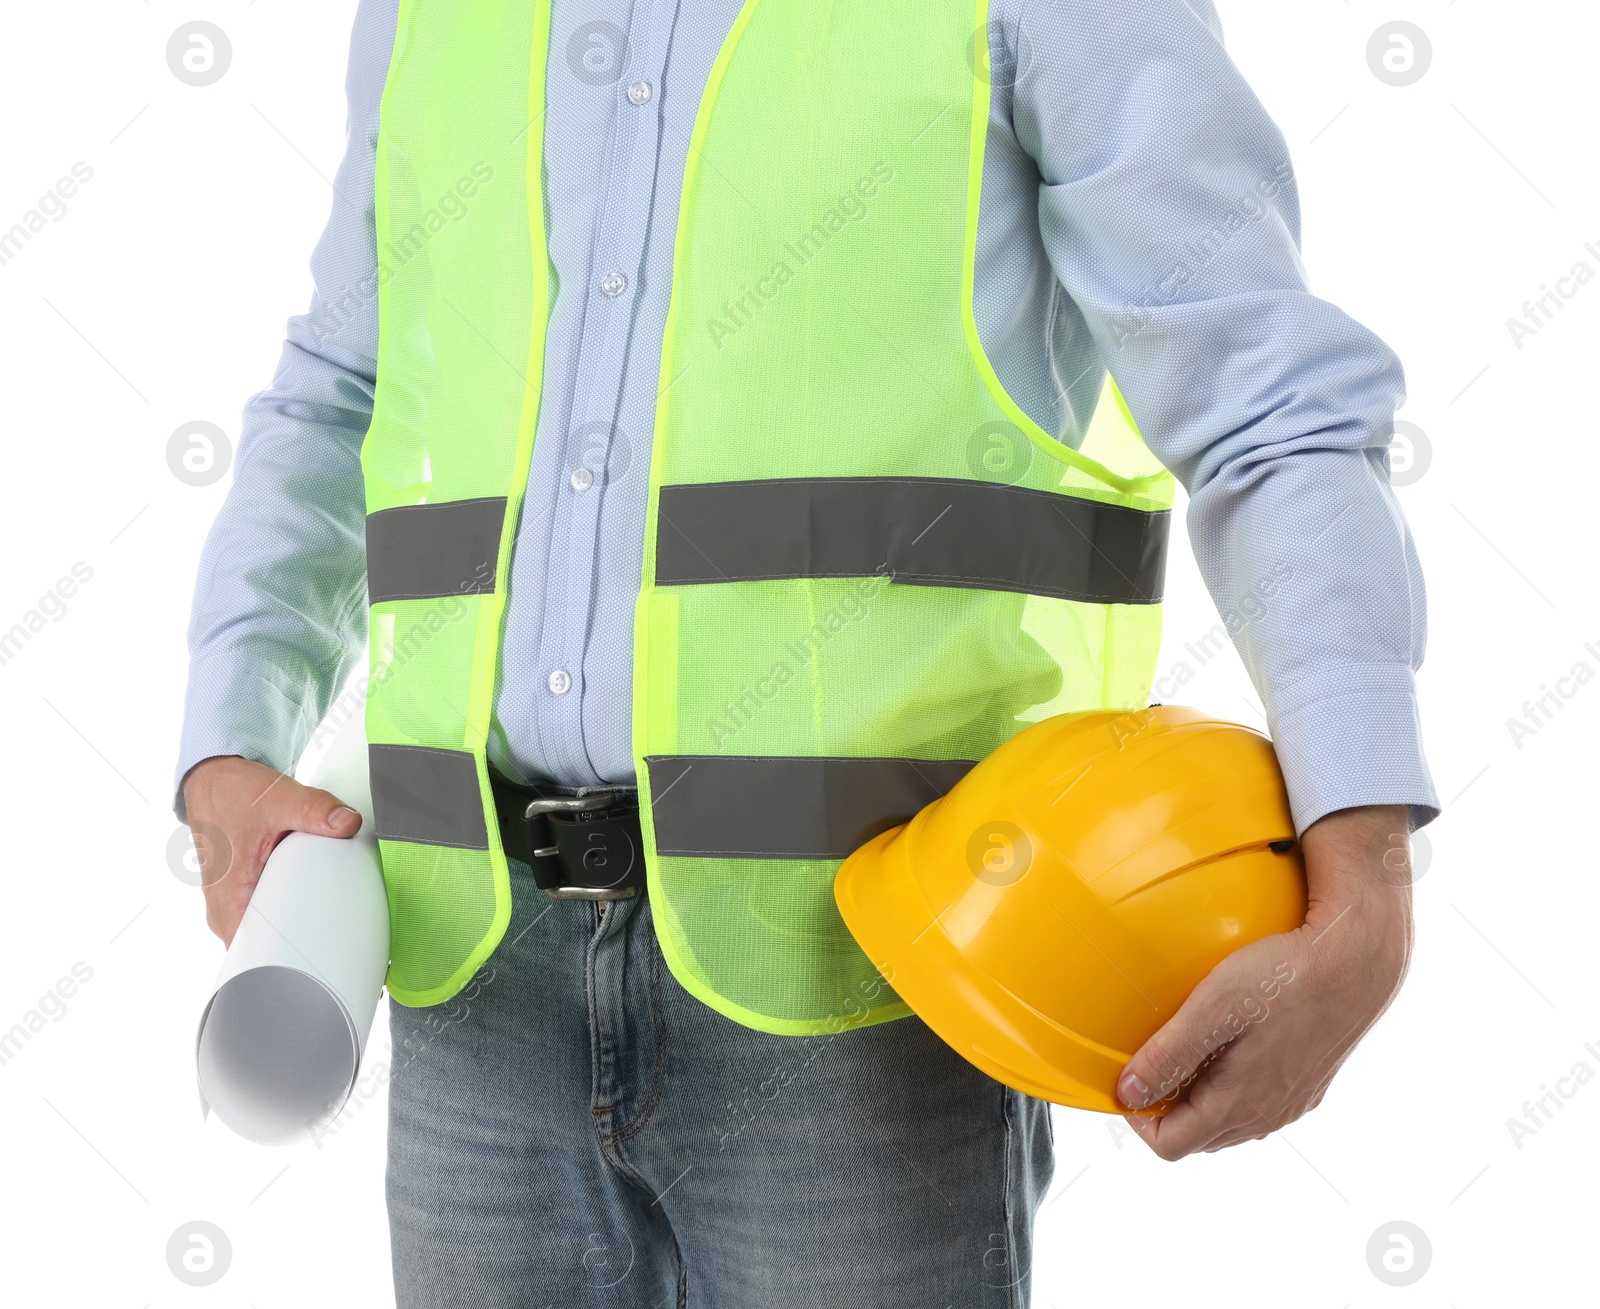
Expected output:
{"points": [[574, 1129]]}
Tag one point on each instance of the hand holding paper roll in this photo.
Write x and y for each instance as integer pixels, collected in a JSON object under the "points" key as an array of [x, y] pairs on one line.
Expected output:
{"points": [[295, 888], [239, 811]]}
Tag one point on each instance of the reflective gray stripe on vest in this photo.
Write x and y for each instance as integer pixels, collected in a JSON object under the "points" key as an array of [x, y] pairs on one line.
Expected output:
{"points": [[422, 551], [714, 806], [427, 795], [928, 531]]}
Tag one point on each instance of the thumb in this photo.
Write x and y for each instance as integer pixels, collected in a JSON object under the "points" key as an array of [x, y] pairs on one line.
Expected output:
{"points": [[1215, 1012], [322, 813]]}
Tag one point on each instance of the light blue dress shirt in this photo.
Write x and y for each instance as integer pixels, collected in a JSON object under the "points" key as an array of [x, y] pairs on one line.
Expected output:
{"points": [[1137, 208]]}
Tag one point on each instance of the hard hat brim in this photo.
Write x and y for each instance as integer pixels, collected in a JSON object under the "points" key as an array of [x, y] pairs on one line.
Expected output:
{"points": [[882, 903]]}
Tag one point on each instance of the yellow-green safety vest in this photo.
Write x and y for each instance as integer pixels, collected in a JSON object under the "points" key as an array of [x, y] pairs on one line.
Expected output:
{"points": [[864, 566]]}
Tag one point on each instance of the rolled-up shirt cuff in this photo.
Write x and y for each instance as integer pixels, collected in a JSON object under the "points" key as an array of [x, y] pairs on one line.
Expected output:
{"points": [[1349, 736]]}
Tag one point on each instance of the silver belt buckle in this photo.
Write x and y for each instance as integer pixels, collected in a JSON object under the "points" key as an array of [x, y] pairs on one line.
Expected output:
{"points": [[577, 804]]}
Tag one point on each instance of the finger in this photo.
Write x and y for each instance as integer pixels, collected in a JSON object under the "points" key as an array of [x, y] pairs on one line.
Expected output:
{"points": [[1266, 1123], [1206, 1024], [1182, 1131], [308, 809], [1230, 1139], [258, 808], [1252, 1124], [287, 807], [1210, 1111]]}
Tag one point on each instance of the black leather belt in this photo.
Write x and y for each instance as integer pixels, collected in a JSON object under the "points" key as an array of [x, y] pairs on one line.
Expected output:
{"points": [[583, 843]]}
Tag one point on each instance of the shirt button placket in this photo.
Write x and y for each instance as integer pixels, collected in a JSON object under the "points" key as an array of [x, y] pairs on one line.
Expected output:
{"points": [[601, 352]]}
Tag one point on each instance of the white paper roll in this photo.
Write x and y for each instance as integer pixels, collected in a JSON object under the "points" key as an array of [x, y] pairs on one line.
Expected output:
{"points": [[281, 1039]]}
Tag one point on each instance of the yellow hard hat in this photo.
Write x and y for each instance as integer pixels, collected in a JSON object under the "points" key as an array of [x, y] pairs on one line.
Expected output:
{"points": [[1051, 913]]}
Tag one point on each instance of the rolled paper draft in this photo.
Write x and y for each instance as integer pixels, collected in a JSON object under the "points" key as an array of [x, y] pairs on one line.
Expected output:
{"points": [[281, 1038]]}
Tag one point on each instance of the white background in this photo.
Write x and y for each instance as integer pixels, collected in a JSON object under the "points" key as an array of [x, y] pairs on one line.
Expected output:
{"points": [[1433, 212]]}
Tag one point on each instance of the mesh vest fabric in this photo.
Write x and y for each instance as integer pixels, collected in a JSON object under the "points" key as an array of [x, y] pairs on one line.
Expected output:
{"points": [[820, 352], [462, 310]]}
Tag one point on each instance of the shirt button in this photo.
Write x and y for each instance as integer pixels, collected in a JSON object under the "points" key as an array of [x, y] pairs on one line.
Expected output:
{"points": [[639, 93], [560, 681], [582, 479], [613, 284]]}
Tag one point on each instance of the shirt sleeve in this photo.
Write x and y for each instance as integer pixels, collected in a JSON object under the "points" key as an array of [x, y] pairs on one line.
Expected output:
{"points": [[1169, 212], [279, 612]]}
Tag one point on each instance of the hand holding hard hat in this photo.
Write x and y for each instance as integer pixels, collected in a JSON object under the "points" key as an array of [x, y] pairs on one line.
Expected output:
{"points": [[1054, 910]]}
